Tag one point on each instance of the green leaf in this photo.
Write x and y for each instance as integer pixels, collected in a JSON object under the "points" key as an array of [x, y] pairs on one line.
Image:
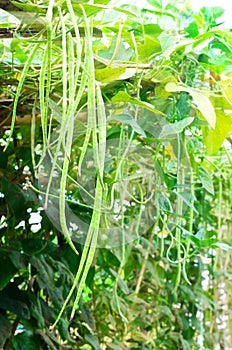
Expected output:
{"points": [[93, 9], [45, 271], [129, 120], [213, 139], [8, 271], [100, 2], [64, 331], [14, 196], [200, 99], [165, 311], [192, 29], [6, 329], [165, 203], [87, 316], [155, 3], [30, 7], [14, 300], [18, 259], [188, 199], [148, 48], [199, 239], [227, 90], [124, 97], [123, 53], [34, 246], [175, 128], [24, 340], [106, 75], [206, 180], [93, 340], [150, 43], [212, 13]]}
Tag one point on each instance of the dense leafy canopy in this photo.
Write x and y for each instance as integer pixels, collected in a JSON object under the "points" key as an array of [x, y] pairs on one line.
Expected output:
{"points": [[115, 176]]}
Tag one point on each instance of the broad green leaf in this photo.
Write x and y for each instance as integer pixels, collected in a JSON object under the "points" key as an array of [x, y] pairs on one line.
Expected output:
{"points": [[44, 270], [150, 46], [30, 7], [152, 30], [8, 271], [188, 199], [106, 75], [200, 99], [89, 8], [129, 120], [93, 340], [192, 29], [156, 3], [165, 203], [175, 128], [123, 53], [64, 330], [24, 340], [14, 196], [213, 138], [18, 259], [203, 38], [206, 180], [227, 90], [34, 246], [124, 97], [212, 13], [101, 2], [199, 240], [171, 44], [12, 299], [162, 76], [93, 9]]}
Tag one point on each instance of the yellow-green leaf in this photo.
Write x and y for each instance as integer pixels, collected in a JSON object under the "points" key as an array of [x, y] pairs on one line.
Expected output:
{"points": [[213, 138], [200, 99], [106, 75], [124, 97], [227, 90]]}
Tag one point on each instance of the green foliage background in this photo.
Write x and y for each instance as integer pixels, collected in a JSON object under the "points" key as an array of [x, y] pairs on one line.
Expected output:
{"points": [[171, 287]]}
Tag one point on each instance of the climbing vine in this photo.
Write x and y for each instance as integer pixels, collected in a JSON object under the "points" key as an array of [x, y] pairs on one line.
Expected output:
{"points": [[115, 176]]}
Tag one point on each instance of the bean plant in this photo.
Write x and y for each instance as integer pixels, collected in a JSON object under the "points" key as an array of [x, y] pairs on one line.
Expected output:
{"points": [[115, 175]]}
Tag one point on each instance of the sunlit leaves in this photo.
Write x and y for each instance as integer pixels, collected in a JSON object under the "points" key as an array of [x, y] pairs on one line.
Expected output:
{"points": [[129, 120], [213, 138], [206, 180], [106, 75], [132, 69], [201, 100], [175, 128], [211, 14], [124, 97]]}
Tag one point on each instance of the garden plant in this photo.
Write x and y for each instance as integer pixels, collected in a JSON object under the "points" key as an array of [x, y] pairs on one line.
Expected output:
{"points": [[115, 176]]}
